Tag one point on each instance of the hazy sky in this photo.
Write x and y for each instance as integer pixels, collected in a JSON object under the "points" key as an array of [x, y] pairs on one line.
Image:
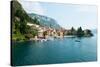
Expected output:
{"points": [[66, 15]]}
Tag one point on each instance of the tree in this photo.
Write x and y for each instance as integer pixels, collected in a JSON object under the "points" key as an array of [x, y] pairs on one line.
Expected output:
{"points": [[28, 36], [44, 33], [73, 31], [23, 27], [34, 32], [80, 32], [88, 33]]}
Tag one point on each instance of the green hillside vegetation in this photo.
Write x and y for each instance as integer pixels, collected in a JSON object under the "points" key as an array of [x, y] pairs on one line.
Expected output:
{"points": [[20, 29]]}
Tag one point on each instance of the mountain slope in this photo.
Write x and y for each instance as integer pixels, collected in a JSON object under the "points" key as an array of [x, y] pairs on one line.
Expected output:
{"points": [[45, 21]]}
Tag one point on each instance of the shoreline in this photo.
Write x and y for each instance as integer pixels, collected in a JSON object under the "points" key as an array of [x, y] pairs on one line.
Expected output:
{"points": [[47, 39]]}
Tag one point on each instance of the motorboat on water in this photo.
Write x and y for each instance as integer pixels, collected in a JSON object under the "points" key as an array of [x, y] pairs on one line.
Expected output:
{"points": [[77, 41]]}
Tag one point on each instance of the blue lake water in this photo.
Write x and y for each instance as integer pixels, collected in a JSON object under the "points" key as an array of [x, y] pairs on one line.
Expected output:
{"points": [[65, 50]]}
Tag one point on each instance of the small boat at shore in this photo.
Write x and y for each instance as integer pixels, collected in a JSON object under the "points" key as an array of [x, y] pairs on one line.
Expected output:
{"points": [[42, 40]]}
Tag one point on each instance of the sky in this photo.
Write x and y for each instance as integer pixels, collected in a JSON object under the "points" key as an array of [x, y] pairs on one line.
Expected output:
{"points": [[66, 15]]}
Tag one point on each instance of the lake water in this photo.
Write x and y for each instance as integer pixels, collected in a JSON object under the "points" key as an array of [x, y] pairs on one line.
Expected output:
{"points": [[65, 50]]}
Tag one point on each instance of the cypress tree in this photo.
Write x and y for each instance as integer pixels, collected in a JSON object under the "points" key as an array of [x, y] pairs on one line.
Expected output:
{"points": [[80, 32]]}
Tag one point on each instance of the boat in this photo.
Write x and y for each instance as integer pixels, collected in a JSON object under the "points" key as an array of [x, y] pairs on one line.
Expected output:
{"points": [[77, 40], [42, 40]]}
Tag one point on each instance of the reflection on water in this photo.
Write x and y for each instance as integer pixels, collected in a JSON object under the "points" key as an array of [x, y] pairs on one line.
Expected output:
{"points": [[56, 51]]}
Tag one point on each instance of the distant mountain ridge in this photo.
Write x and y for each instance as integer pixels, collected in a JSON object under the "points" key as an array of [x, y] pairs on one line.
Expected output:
{"points": [[45, 21]]}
